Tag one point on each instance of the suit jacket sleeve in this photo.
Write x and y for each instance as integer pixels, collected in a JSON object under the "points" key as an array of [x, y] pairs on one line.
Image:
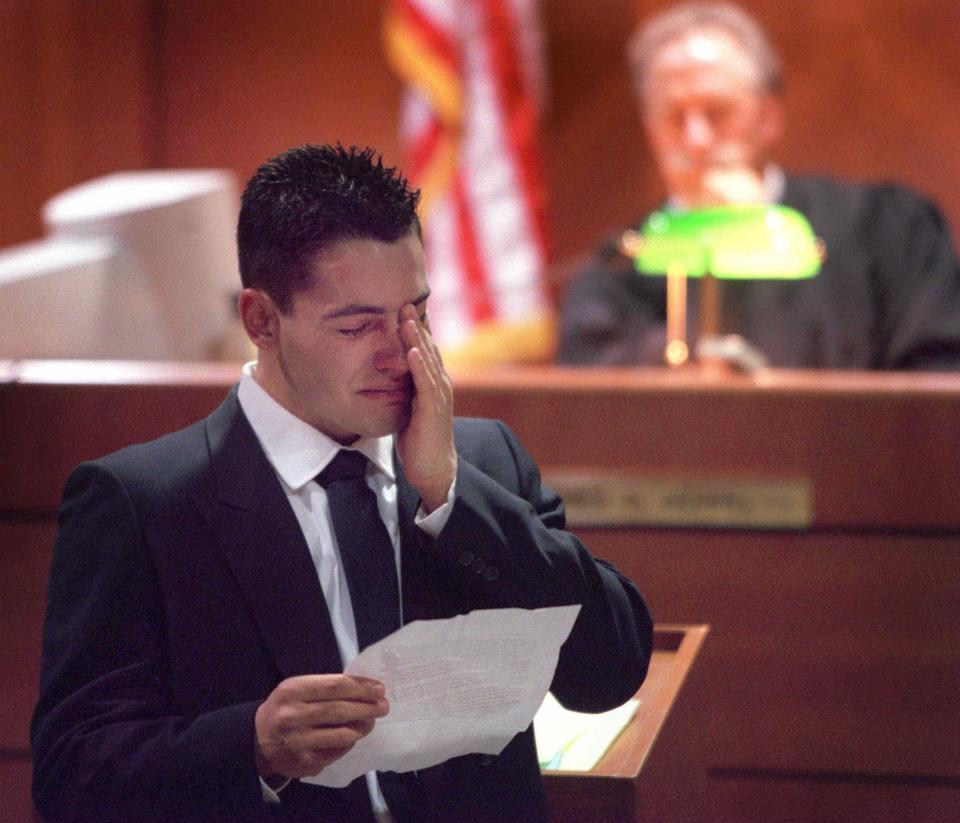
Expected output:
{"points": [[107, 741], [505, 545], [612, 317], [917, 281]]}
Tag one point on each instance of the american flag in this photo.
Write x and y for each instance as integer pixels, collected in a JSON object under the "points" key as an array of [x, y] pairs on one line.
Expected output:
{"points": [[470, 115]]}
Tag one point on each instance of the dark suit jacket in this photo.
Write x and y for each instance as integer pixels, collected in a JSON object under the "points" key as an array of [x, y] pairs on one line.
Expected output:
{"points": [[887, 296], [182, 592]]}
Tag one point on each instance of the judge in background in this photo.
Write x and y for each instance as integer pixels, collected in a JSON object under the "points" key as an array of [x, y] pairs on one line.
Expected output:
{"points": [[709, 87]]}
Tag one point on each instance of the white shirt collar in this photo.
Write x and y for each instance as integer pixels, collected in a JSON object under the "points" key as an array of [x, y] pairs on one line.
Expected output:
{"points": [[297, 451]]}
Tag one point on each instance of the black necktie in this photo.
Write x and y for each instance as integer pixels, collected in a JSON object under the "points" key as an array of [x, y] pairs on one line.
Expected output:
{"points": [[365, 548], [368, 560]]}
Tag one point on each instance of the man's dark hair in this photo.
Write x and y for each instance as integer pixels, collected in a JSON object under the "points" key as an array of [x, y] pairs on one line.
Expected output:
{"points": [[308, 199]]}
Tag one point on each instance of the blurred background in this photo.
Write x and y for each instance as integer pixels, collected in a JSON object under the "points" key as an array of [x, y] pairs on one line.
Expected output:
{"points": [[89, 88]]}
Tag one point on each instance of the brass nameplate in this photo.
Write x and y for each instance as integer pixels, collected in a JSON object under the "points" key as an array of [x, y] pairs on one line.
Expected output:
{"points": [[594, 499]]}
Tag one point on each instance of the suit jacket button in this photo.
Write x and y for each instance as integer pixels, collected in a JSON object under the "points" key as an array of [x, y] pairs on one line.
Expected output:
{"points": [[466, 558], [479, 565], [491, 573]]}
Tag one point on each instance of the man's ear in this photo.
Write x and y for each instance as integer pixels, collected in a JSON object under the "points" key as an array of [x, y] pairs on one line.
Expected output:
{"points": [[260, 317]]}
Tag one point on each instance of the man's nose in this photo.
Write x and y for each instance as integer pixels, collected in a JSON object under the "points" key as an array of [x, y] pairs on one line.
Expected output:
{"points": [[392, 355], [697, 130]]}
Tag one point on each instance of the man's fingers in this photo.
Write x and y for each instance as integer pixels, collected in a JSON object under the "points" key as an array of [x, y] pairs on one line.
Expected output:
{"points": [[329, 737], [341, 712], [311, 750], [323, 687], [423, 380], [426, 443], [337, 736], [307, 710], [326, 700], [413, 336], [422, 357], [416, 334], [309, 721]]}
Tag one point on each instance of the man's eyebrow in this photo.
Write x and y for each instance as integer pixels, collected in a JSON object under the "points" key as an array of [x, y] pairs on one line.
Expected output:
{"points": [[360, 308], [352, 309]]}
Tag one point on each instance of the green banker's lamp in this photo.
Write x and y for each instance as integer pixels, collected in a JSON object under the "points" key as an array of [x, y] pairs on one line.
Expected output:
{"points": [[740, 242]]}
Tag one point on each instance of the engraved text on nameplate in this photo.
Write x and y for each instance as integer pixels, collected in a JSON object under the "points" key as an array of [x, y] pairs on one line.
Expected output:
{"points": [[595, 499]]}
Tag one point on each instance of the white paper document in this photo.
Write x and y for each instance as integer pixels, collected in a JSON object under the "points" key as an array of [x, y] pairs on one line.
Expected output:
{"points": [[463, 685]]}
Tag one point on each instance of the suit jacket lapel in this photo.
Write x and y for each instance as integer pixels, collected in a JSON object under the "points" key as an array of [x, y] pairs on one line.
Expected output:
{"points": [[261, 540]]}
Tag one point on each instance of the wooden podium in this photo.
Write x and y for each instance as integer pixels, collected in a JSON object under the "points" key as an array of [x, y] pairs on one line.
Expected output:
{"points": [[615, 789]]}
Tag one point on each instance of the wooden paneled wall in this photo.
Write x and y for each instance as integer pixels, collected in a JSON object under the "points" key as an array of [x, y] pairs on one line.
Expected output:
{"points": [[78, 86], [873, 92]]}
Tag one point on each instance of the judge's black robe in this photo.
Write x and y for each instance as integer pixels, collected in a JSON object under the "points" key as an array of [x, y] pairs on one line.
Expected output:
{"points": [[887, 296]]}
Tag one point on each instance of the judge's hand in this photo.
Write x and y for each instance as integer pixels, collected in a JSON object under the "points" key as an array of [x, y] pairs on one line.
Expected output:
{"points": [[309, 721], [726, 185], [425, 445]]}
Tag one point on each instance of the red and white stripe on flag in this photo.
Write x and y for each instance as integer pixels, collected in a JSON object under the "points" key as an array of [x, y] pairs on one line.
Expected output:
{"points": [[473, 74]]}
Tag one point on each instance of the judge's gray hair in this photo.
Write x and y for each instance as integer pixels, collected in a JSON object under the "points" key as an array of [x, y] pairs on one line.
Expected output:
{"points": [[689, 17]]}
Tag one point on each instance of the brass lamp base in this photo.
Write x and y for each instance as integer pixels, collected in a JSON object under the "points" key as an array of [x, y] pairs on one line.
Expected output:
{"points": [[715, 352]]}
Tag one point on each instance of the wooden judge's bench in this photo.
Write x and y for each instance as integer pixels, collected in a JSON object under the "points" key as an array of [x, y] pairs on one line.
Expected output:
{"points": [[811, 519]]}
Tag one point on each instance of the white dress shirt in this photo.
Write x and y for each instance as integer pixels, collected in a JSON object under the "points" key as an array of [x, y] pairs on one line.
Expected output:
{"points": [[298, 453]]}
